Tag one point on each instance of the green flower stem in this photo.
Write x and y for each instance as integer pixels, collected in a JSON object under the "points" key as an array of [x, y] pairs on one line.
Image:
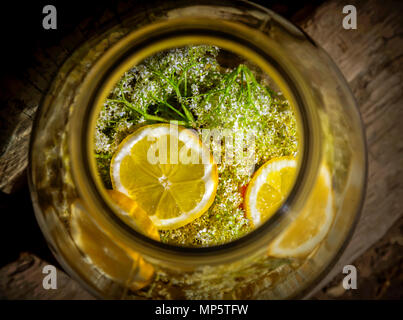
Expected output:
{"points": [[184, 77], [185, 85], [146, 115], [128, 105], [241, 90], [168, 105], [206, 93], [229, 81], [248, 86], [188, 114]]}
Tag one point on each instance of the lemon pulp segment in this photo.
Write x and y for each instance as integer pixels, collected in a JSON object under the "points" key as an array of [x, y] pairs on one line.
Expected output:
{"points": [[268, 188], [311, 224], [171, 176]]}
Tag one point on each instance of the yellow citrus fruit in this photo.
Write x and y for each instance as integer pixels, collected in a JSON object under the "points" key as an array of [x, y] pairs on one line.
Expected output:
{"points": [[312, 223], [131, 213], [268, 188], [106, 253], [168, 171]]}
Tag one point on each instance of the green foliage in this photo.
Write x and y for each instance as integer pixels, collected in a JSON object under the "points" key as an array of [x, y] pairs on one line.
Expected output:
{"points": [[188, 85]]}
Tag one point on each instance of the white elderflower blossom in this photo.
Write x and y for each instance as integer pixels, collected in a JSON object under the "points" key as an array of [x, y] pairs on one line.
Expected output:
{"points": [[223, 98]]}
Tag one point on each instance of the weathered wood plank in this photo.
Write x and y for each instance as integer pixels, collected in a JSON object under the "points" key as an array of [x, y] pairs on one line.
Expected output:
{"points": [[371, 59], [16, 115], [22, 93], [379, 271], [23, 279]]}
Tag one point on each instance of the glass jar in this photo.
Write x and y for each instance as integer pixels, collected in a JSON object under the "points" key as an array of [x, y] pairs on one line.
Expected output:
{"points": [[125, 263]]}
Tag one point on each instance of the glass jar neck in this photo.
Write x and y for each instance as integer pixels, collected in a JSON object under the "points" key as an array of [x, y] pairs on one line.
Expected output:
{"points": [[132, 50]]}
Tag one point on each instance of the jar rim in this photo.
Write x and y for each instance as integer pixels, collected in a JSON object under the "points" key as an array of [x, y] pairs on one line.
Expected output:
{"points": [[163, 35]]}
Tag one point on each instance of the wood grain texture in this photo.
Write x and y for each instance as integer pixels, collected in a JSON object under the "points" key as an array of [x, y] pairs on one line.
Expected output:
{"points": [[23, 279], [380, 271], [21, 94], [370, 59], [16, 116]]}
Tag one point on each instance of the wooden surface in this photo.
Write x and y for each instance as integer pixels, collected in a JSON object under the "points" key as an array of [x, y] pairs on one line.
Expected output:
{"points": [[23, 280], [379, 271], [370, 59]]}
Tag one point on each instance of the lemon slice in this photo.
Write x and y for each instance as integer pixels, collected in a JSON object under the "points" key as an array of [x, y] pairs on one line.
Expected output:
{"points": [[106, 253], [168, 171], [130, 212], [268, 188], [312, 223]]}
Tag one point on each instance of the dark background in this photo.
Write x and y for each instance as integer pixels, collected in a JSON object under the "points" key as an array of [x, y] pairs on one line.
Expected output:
{"points": [[22, 32]]}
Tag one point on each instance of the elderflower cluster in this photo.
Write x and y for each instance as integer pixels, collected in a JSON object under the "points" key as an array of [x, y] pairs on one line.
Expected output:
{"points": [[219, 98]]}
